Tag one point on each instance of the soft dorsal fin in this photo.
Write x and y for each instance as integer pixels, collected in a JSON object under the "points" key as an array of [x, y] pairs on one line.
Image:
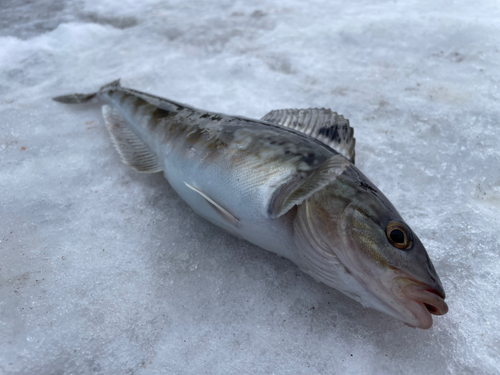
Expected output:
{"points": [[302, 187], [132, 149], [322, 124]]}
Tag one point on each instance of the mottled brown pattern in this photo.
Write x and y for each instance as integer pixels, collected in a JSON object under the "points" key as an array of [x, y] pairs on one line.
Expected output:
{"points": [[255, 148]]}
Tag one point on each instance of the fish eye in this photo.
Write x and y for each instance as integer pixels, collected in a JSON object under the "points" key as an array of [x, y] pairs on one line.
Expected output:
{"points": [[398, 235]]}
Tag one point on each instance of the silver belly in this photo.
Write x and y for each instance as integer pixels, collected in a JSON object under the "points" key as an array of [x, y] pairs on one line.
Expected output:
{"points": [[248, 203]]}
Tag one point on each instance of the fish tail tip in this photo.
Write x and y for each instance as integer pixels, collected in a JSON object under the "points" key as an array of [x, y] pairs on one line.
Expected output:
{"points": [[74, 98], [83, 98]]}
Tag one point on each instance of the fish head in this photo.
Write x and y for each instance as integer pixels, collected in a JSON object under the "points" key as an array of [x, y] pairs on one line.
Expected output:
{"points": [[373, 255]]}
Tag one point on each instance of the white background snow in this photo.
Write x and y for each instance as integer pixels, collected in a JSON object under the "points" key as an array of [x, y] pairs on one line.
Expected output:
{"points": [[104, 270]]}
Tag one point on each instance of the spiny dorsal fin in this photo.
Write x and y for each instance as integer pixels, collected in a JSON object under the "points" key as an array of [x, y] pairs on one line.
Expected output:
{"points": [[302, 187], [322, 124], [225, 214], [133, 150]]}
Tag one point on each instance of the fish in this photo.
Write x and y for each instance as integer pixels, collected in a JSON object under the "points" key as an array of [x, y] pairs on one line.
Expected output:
{"points": [[286, 183]]}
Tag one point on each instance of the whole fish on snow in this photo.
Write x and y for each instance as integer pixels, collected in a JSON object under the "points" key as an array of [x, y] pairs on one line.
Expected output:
{"points": [[286, 183]]}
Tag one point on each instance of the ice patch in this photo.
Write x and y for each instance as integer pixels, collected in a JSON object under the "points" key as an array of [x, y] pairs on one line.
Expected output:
{"points": [[104, 270]]}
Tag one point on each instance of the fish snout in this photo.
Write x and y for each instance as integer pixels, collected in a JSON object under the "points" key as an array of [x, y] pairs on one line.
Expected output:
{"points": [[432, 299], [422, 300]]}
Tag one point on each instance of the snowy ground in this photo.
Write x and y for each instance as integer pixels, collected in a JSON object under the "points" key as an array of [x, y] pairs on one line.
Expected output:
{"points": [[104, 270]]}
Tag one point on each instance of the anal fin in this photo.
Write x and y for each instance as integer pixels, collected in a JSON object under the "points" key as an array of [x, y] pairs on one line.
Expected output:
{"points": [[132, 149], [225, 214]]}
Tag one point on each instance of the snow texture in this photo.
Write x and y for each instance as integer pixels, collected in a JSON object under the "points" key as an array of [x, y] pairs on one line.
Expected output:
{"points": [[106, 271]]}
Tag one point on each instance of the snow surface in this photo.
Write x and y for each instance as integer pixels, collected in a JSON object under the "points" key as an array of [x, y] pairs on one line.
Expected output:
{"points": [[104, 270]]}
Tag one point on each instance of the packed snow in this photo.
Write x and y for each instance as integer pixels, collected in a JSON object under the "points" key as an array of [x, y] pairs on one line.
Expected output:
{"points": [[107, 271]]}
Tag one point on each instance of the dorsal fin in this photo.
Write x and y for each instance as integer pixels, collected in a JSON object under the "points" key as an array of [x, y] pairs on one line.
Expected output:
{"points": [[302, 187], [322, 124]]}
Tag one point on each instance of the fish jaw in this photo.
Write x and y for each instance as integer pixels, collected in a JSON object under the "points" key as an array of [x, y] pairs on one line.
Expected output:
{"points": [[407, 300], [421, 300], [404, 298]]}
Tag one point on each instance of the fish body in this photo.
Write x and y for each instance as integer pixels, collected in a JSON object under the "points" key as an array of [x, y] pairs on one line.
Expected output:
{"points": [[286, 183]]}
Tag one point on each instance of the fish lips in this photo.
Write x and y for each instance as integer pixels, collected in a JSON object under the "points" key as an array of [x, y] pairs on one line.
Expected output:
{"points": [[420, 299]]}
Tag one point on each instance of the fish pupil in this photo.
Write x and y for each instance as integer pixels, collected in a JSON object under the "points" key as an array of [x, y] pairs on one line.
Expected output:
{"points": [[397, 236]]}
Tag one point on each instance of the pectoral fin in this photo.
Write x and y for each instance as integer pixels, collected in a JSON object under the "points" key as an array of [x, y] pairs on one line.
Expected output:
{"points": [[300, 188], [322, 124], [226, 215]]}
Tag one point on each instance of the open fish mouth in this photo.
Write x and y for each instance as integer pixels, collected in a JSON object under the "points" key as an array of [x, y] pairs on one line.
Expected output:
{"points": [[421, 300], [433, 302]]}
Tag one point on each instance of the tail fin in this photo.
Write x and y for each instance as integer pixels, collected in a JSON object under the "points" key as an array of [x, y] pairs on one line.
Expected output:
{"points": [[83, 98]]}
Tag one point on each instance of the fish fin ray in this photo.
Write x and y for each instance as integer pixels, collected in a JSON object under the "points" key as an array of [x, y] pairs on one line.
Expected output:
{"points": [[297, 190], [225, 214], [133, 150], [322, 124]]}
